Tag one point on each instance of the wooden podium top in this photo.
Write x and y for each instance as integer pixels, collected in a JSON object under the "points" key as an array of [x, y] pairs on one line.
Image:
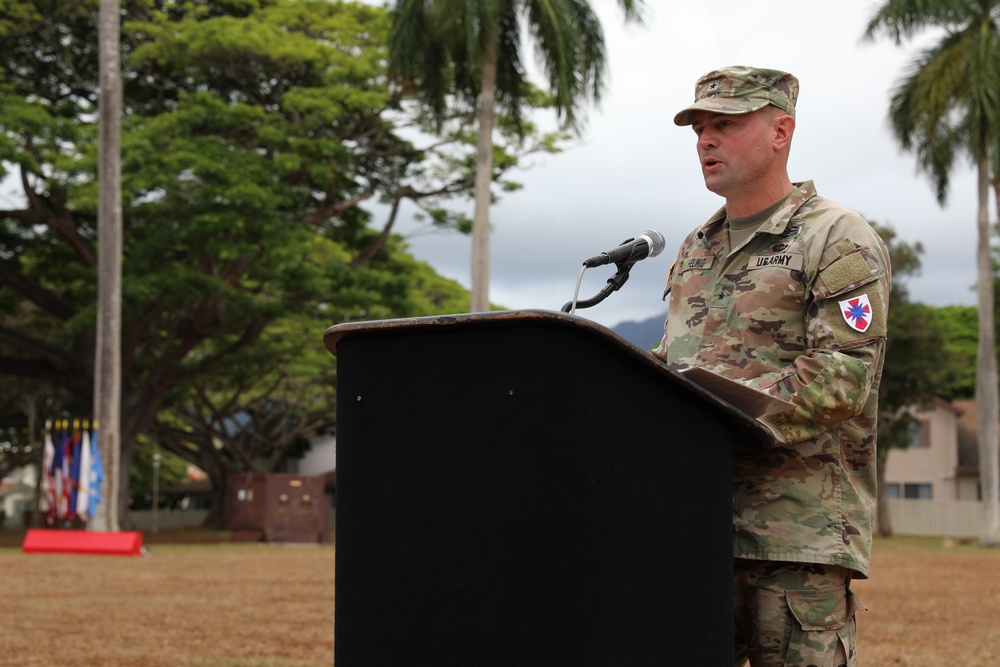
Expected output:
{"points": [[496, 318], [739, 402]]}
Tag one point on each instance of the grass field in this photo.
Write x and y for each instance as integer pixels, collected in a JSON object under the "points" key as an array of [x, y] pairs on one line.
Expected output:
{"points": [[204, 602], [930, 603]]}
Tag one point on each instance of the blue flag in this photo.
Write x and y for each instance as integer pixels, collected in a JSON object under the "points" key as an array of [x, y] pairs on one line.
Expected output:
{"points": [[75, 473], [96, 476]]}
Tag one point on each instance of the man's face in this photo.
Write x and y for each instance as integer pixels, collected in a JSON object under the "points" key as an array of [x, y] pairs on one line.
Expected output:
{"points": [[735, 151]]}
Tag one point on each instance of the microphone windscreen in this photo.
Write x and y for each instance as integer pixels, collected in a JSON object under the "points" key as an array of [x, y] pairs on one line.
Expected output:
{"points": [[655, 240]]}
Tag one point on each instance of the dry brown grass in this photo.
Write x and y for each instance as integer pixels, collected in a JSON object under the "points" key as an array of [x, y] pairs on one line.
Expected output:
{"points": [[207, 605], [254, 605], [930, 604]]}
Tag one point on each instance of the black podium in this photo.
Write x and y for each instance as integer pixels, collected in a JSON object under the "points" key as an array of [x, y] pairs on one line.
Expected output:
{"points": [[527, 488]]}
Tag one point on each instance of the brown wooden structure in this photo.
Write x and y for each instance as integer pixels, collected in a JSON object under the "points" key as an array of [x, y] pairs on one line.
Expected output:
{"points": [[276, 507]]}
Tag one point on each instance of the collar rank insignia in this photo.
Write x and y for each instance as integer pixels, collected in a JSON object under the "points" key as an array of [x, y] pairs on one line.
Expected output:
{"points": [[857, 313]]}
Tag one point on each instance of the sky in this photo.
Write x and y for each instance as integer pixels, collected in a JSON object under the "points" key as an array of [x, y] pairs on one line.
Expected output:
{"points": [[632, 169]]}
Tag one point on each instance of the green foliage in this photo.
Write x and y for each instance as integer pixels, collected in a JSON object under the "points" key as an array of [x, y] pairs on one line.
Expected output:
{"points": [[439, 48], [914, 363], [959, 330], [931, 351], [925, 353], [280, 392], [465, 57], [947, 103], [948, 106], [172, 470], [252, 133]]}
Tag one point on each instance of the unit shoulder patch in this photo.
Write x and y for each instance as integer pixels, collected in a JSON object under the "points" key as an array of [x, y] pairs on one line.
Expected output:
{"points": [[857, 312]]}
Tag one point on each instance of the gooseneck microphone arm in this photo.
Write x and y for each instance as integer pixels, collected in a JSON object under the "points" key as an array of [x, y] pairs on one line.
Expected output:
{"points": [[614, 284]]}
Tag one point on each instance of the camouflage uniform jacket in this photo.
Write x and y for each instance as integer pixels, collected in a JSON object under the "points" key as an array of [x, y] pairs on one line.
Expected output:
{"points": [[798, 311]]}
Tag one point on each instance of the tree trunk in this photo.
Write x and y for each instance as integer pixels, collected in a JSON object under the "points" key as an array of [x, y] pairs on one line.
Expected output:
{"points": [[125, 449], [32, 407], [107, 362], [987, 399], [484, 176], [220, 514], [881, 502]]}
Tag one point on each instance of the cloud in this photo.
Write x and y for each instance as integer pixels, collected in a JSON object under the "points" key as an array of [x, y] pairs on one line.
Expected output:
{"points": [[634, 170]]}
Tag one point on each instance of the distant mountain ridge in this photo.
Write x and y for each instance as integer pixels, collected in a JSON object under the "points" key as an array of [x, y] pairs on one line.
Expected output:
{"points": [[645, 334]]}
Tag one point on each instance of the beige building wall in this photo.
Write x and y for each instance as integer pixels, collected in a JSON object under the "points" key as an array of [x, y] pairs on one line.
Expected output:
{"points": [[935, 460]]}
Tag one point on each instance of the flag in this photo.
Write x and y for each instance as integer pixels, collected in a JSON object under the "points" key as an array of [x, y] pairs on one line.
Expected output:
{"points": [[64, 474], [74, 476], [83, 482], [48, 479], [96, 477], [57, 477]]}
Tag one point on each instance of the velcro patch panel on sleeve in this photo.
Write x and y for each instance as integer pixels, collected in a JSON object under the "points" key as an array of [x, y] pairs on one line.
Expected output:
{"points": [[848, 272]]}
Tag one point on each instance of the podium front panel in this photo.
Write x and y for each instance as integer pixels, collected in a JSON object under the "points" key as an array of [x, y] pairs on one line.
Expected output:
{"points": [[527, 495]]}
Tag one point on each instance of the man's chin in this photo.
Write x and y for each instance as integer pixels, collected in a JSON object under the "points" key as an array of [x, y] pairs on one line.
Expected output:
{"points": [[713, 184]]}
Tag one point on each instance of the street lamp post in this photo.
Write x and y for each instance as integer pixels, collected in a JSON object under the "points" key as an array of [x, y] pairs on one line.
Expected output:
{"points": [[156, 492]]}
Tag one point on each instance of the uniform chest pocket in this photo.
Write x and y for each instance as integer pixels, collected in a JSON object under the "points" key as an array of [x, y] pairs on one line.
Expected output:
{"points": [[691, 277]]}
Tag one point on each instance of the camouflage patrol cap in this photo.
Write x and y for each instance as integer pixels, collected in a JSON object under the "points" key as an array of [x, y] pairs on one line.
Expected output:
{"points": [[739, 90]]}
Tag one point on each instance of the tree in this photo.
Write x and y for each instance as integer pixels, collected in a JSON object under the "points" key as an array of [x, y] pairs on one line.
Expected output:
{"points": [[960, 328], [252, 133], [279, 395], [470, 53], [914, 361], [949, 105], [107, 355], [169, 470]]}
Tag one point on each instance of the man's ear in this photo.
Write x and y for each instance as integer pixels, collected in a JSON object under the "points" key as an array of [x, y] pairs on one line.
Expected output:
{"points": [[784, 127]]}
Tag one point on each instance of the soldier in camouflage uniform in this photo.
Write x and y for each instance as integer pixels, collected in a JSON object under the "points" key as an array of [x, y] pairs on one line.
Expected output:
{"points": [[786, 292]]}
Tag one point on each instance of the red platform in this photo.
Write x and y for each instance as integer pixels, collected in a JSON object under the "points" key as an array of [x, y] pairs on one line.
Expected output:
{"points": [[123, 543]]}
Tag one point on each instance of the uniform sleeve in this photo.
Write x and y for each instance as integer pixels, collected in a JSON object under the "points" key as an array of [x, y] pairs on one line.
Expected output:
{"points": [[831, 380]]}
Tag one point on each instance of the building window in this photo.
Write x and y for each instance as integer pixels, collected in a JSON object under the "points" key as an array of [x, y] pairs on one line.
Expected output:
{"points": [[891, 491], [918, 434], [918, 491]]}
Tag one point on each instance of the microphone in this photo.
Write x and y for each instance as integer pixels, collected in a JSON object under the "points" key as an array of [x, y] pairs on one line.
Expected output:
{"points": [[649, 244]]}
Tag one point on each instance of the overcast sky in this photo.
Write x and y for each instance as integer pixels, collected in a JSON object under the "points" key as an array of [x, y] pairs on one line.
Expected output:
{"points": [[633, 169]]}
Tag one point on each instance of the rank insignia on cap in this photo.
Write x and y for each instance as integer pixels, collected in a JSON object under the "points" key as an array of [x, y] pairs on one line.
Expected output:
{"points": [[857, 313]]}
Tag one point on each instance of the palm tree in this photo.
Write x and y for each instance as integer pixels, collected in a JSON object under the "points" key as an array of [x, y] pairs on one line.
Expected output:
{"points": [[107, 353], [469, 52], [946, 106]]}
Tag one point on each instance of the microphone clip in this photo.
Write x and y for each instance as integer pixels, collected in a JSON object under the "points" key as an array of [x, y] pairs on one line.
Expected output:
{"points": [[614, 284]]}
